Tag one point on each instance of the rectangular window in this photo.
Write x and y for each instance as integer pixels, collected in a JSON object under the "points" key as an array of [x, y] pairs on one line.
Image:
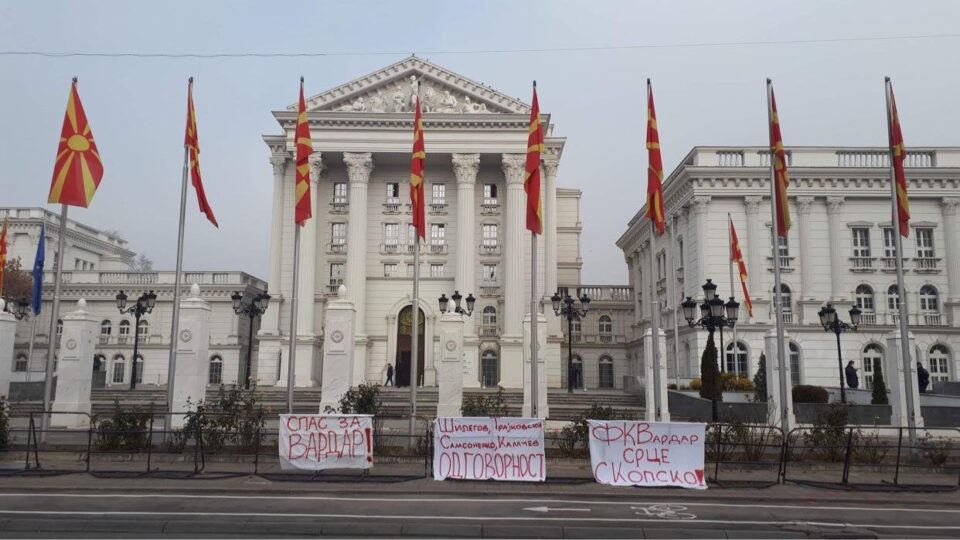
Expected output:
{"points": [[340, 193], [438, 234], [390, 270], [336, 274], [409, 270], [889, 243], [411, 234], [391, 234], [393, 193], [861, 242], [490, 272], [924, 243], [21, 364], [439, 193], [338, 234], [679, 252], [118, 369], [436, 270], [490, 194], [489, 234], [661, 265]]}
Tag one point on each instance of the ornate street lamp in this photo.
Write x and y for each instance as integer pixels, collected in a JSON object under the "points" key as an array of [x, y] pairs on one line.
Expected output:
{"points": [[253, 310], [571, 313], [832, 323], [714, 315], [457, 299], [143, 306], [17, 308]]}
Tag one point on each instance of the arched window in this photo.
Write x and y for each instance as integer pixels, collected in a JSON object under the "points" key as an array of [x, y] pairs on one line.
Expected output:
{"points": [[106, 327], [143, 328], [606, 329], [928, 299], [119, 369], [99, 363], [795, 367], [216, 370], [736, 360], [864, 298], [489, 323], [576, 327], [59, 327], [939, 360], [20, 365], [606, 372], [138, 368], [872, 360], [489, 369], [786, 298], [893, 298], [124, 332]]}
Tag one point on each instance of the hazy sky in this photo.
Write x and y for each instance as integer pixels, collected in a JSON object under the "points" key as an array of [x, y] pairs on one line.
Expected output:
{"points": [[828, 93]]}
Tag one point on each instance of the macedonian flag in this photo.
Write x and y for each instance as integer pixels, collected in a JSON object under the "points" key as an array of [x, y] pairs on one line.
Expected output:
{"points": [[531, 181], [419, 222], [779, 157], [3, 253], [736, 256], [303, 211], [898, 155], [77, 170], [192, 142], [654, 168]]}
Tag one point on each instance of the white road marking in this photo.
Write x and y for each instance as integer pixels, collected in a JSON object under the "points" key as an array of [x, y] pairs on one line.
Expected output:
{"points": [[474, 500], [545, 509], [94, 513], [665, 511]]}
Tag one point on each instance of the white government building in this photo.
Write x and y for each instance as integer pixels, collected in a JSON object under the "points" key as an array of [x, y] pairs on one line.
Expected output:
{"points": [[840, 249]]}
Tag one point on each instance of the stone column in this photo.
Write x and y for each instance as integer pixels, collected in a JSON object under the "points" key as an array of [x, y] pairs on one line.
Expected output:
{"points": [[834, 207], [807, 305], [550, 165], [338, 361], [75, 369], [514, 300], [359, 167], [655, 394], [752, 206], [450, 368], [951, 224], [700, 207], [8, 333], [893, 371], [542, 404], [271, 319], [193, 358], [466, 167], [773, 372]]}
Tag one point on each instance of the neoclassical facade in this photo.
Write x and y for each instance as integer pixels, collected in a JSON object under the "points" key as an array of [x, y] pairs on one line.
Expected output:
{"points": [[360, 233], [840, 249]]}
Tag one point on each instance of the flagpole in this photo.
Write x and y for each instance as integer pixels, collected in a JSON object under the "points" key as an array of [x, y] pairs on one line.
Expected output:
{"points": [[415, 332], [901, 290], [534, 321], [33, 335], [54, 314], [175, 324], [654, 325], [676, 301], [292, 356], [784, 409], [735, 350]]}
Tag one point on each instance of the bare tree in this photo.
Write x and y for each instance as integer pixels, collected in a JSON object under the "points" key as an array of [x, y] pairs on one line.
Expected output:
{"points": [[141, 263], [17, 284]]}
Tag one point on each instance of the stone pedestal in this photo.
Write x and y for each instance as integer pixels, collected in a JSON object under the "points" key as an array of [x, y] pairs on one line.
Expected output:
{"points": [[8, 331], [773, 372], [75, 370], [450, 368], [193, 358], [893, 376], [338, 350], [511, 362], [471, 362], [656, 394], [543, 410]]}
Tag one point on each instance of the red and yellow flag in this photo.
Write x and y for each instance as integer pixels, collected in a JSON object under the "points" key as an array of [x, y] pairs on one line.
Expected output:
{"points": [[779, 157], [192, 142], [736, 256], [655, 209], [418, 220], [531, 180], [77, 170], [898, 154], [3, 253], [303, 210]]}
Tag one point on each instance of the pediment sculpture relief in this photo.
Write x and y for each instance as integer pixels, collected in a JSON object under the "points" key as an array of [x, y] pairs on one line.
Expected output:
{"points": [[401, 97]]}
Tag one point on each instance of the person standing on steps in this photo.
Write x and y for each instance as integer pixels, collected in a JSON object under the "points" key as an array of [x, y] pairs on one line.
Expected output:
{"points": [[389, 375], [851, 372]]}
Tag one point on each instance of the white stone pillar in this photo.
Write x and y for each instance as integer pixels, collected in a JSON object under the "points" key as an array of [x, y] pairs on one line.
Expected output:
{"points": [[652, 392], [359, 167], [74, 369], [752, 206], [8, 333], [193, 355], [338, 358], [466, 167], [271, 319], [550, 165], [514, 301], [700, 207], [807, 305], [893, 377], [542, 401], [450, 368], [950, 207], [774, 398], [834, 207]]}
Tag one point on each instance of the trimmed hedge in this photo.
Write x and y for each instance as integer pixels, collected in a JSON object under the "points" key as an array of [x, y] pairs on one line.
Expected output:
{"points": [[803, 393]]}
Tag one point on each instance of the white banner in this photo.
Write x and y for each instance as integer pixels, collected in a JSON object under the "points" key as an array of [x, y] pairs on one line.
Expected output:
{"points": [[326, 441], [630, 453], [489, 449]]}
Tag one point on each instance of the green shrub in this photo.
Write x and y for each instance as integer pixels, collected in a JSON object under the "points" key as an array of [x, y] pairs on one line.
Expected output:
{"points": [[936, 449], [481, 405], [803, 393], [695, 384], [234, 418], [732, 382], [760, 380], [123, 430], [4, 423], [711, 387], [363, 399], [869, 448], [879, 395], [575, 437], [827, 438]]}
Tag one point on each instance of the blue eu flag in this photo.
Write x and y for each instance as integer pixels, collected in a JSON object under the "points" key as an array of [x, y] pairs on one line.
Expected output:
{"points": [[38, 271]]}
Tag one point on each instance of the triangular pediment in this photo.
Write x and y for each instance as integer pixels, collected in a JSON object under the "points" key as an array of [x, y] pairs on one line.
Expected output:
{"points": [[391, 89]]}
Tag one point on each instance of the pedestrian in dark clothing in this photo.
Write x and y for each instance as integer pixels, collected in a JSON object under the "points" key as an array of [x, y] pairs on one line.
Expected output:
{"points": [[389, 375], [923, 377], [851, 372]]}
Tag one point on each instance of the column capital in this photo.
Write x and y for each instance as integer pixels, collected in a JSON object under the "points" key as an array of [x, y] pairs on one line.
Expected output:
{"points": [[834, 204], [317, 166], [279, 162], [804, 205], [359, 166], [466, 167], [951, 206], [513, 166], [700, 203], [753, 203], [550, 165]]}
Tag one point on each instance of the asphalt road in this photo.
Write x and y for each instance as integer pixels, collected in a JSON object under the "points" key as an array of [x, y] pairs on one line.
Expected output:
{"points": [[144, 514]]}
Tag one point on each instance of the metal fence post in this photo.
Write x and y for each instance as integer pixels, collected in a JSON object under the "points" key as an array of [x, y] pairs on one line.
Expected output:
{"points": [[896, 470], [197, 443], [846, 458], [256, 450], [89, 444], [716, 455], [150, 442]]}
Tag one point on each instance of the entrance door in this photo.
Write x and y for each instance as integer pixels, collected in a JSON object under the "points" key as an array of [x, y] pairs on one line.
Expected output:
{"points": [[405, 347]]}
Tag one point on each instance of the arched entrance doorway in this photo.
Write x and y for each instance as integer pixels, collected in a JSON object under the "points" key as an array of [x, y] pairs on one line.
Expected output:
{"points": [[405, 346]]}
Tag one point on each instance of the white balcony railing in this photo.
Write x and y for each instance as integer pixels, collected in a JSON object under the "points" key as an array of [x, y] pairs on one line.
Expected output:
{"points": [[390, 247], [489, 289], [861, 264], [926, 264], [438, 208], [438, 249], [869, 319], [488, 331], [392, 206], [339, 207], [726, 158], [489, 249], [337, 247], [932, 319]]}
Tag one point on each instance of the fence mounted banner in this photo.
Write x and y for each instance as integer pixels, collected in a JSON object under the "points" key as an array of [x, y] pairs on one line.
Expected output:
{"points": [[629, 453], [489, 449], [326, 441]]}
